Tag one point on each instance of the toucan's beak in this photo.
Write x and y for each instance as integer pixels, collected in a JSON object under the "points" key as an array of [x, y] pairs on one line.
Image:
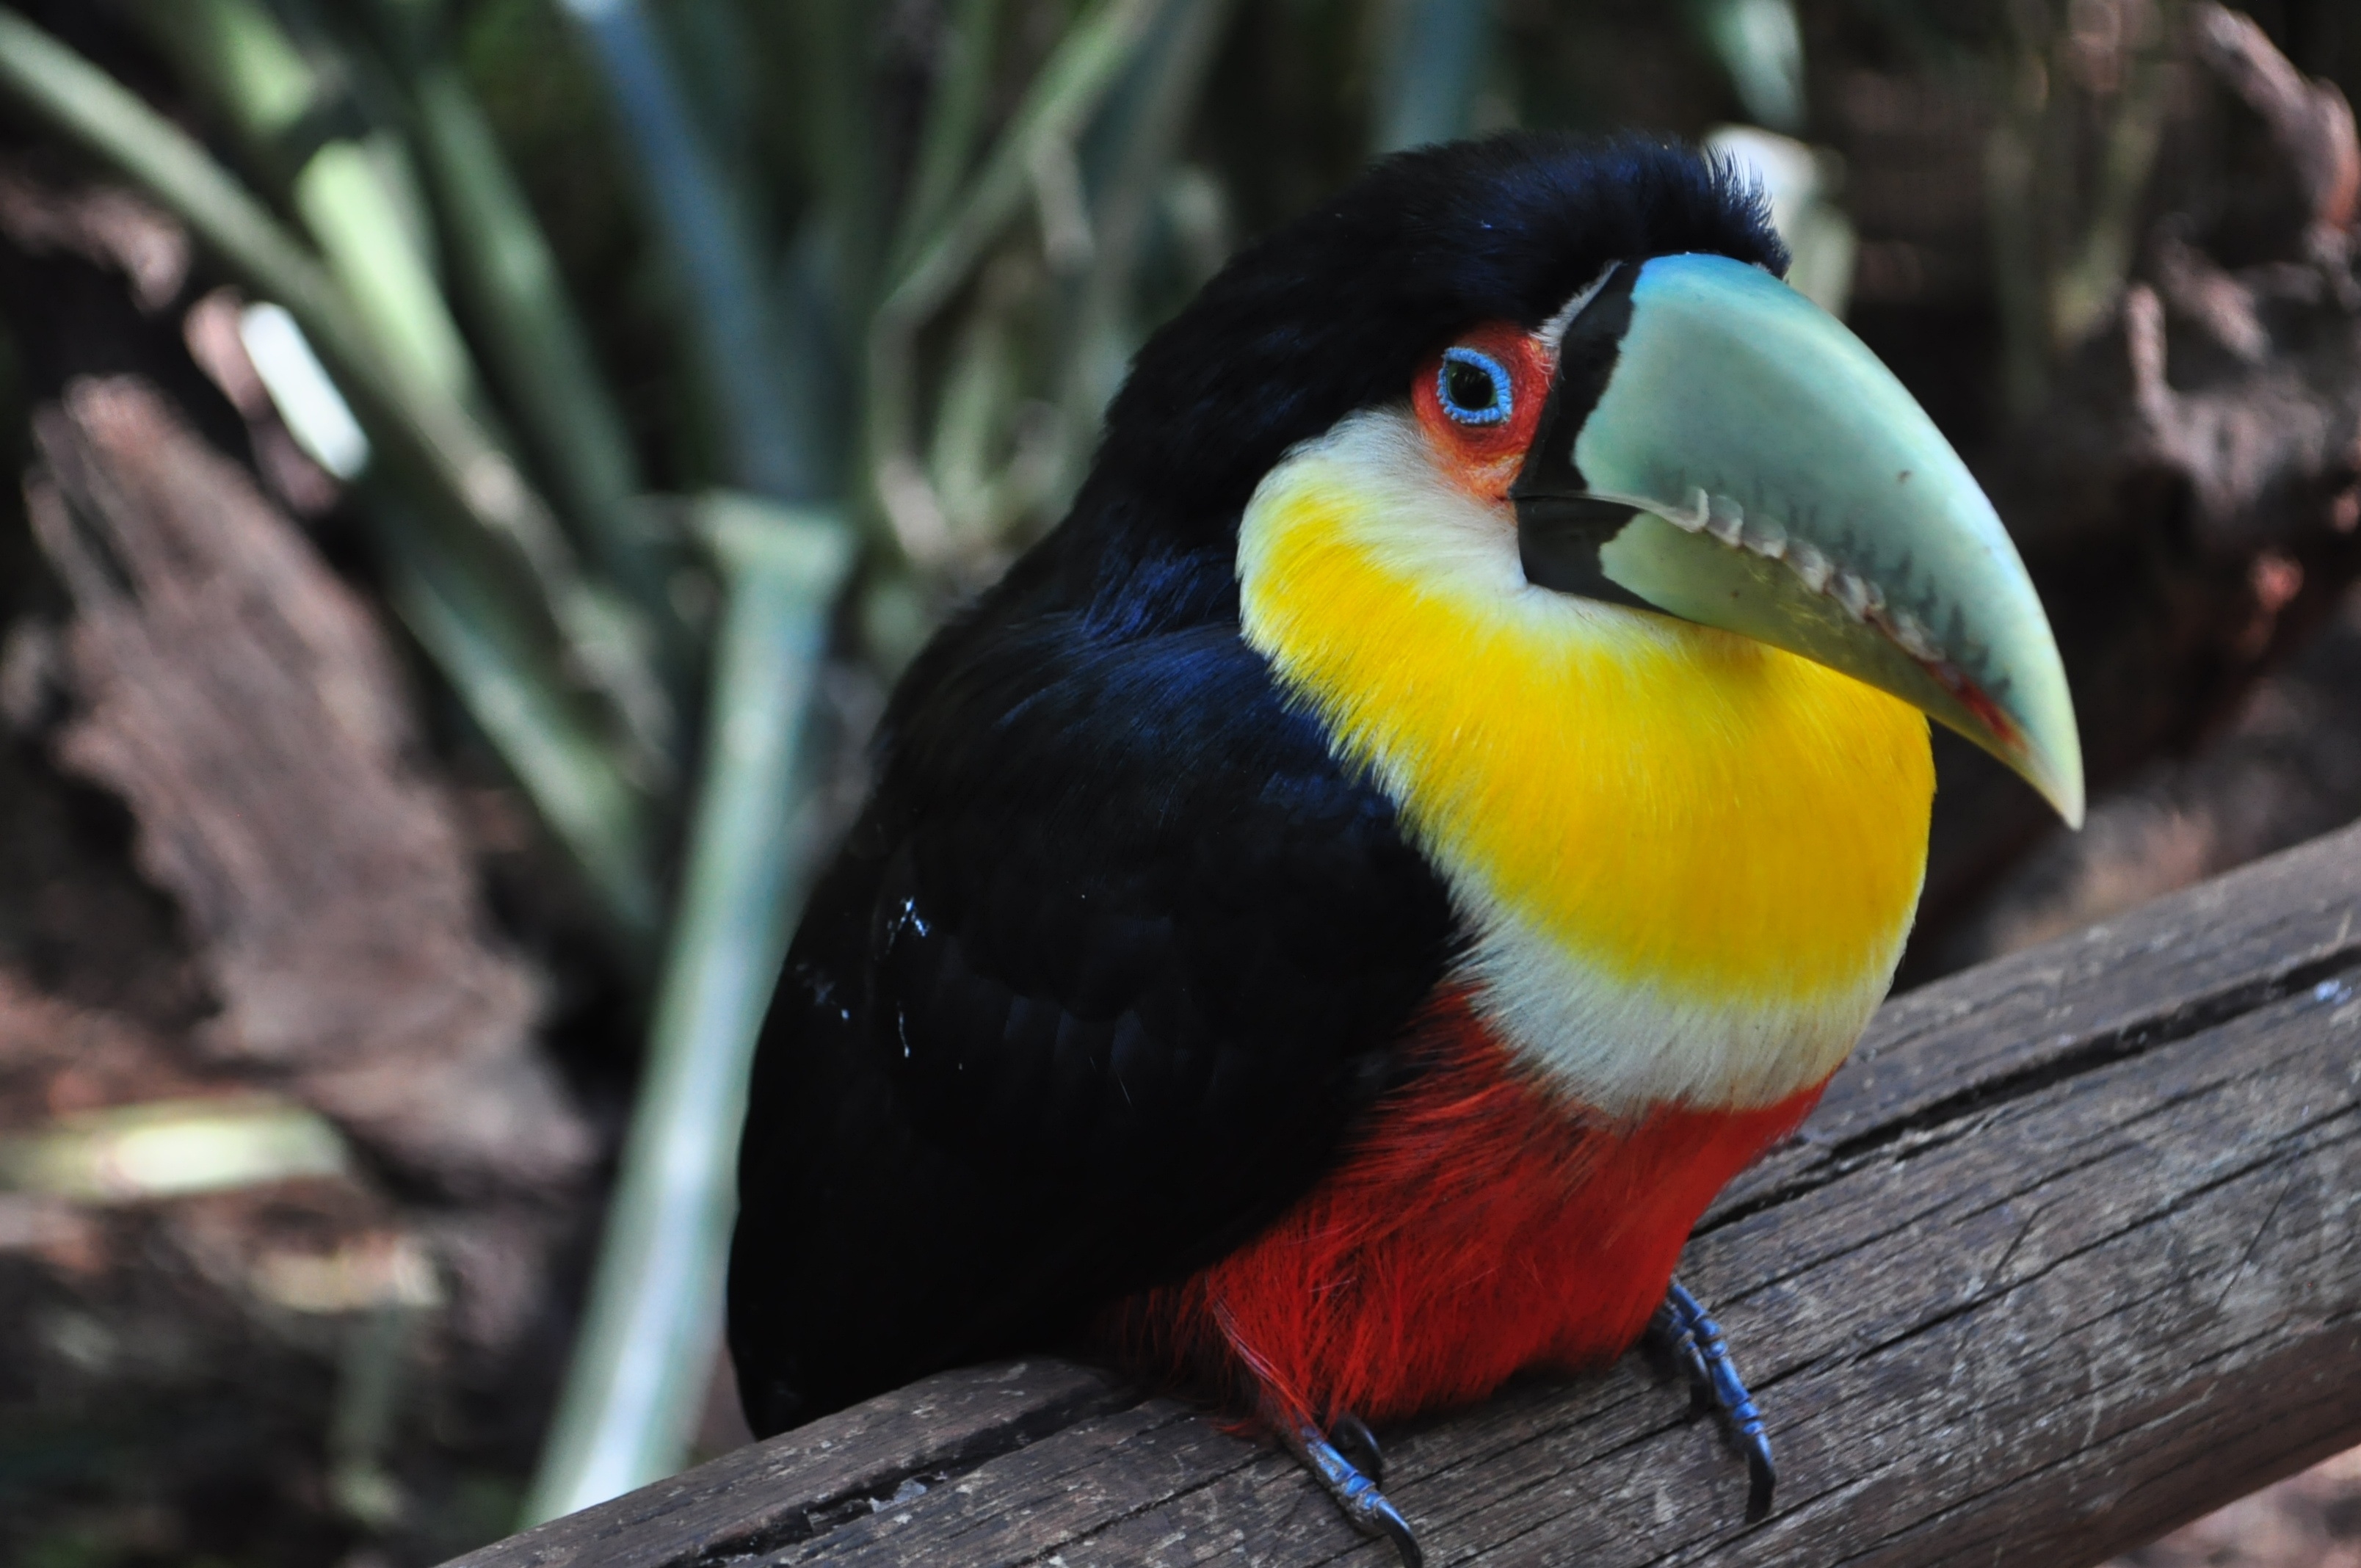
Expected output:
{"points": [[1718, 447]]}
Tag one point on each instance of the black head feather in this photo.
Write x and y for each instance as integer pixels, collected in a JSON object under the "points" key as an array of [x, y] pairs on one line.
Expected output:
{"points": [[1334, 311]]}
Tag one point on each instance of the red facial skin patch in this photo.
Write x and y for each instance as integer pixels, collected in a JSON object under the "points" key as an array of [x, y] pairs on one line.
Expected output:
{"points": [[1477, 1228], [1484, 459]]}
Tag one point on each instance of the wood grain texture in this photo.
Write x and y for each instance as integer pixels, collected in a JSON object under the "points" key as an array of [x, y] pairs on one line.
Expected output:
{"points": [[2071, 1255], [2107, 991], [806, 1483]]}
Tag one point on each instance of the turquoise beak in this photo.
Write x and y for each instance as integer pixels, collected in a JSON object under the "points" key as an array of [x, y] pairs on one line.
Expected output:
{"points": [[1719, 448]]}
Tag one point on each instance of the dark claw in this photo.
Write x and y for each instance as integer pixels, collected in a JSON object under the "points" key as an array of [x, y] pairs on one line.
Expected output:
{"points": [[1354, 1492], [1698, 1348], [1397, 1529], [1357, 1442], [1761, 1479]]}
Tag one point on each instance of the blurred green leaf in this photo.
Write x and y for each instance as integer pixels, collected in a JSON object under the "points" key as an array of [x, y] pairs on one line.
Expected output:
{"points": [[1088, 62], [705, 227], [531, 331], [1434, 55]]}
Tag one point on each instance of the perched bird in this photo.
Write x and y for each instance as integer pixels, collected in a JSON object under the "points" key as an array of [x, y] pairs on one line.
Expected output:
{"points": [[1447, 797]]}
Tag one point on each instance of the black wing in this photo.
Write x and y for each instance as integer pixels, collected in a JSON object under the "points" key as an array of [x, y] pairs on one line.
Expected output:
{"points": [[1101, 975]]}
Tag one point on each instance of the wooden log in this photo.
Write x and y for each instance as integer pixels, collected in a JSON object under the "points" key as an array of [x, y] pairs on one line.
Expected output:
{"points": [[2071, 1253]]}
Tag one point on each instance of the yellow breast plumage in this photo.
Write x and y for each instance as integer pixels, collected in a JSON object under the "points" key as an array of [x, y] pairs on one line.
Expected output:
{"points": [[1688, 859]]}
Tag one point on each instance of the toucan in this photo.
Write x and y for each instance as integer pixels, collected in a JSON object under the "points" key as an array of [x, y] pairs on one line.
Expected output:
{"points": [[1445, 799]]}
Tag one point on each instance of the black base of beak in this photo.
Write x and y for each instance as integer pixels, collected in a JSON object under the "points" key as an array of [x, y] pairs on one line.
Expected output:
{"points": [[1558, 540]]}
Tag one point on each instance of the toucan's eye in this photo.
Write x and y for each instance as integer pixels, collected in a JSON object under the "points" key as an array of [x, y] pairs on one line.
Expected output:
{"points": [[1477, 400], [1473, 388]]}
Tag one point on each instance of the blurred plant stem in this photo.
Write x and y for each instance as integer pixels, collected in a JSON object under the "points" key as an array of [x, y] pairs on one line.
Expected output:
{"points": [[954, 120], [1121, 169], [350, 191], [503, 670], [704, 225], [468, 492], [371, 1377], [535, 340], [1132, 152], [830, 45], [1431, 60], [639, 1372], [1027, 160], [2084, 90]]}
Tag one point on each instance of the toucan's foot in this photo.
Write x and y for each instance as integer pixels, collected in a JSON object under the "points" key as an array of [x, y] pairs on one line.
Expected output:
{"points": [[1354, 1486], [1697, 1346]]}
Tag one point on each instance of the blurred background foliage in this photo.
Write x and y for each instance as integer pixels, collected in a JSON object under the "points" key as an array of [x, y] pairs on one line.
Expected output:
{"points": [[668, 367]]}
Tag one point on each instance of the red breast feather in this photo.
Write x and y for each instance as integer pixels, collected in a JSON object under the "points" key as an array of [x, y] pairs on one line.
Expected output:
{"points": [[1479, 1227]]}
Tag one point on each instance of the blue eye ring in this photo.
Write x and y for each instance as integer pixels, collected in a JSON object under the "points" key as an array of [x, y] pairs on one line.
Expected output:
{"points": [[1464, 359]]}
